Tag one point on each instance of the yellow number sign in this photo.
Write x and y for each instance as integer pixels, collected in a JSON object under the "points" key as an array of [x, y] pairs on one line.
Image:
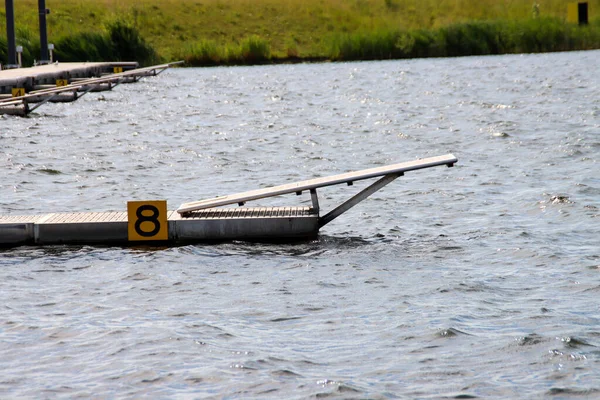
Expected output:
{"points": [[62, 82], [117, 70], [147, 220], [18, 92]]}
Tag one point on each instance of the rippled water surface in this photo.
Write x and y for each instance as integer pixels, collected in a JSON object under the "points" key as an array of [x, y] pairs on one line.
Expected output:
{"points": [[476, 281]]}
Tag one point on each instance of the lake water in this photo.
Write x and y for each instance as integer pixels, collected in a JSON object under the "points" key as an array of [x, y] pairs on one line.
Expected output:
{"points": [[478, 281]]}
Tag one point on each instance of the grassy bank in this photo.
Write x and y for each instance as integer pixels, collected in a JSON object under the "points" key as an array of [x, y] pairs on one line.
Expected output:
{"points": [[208, 32], [466, 39]]}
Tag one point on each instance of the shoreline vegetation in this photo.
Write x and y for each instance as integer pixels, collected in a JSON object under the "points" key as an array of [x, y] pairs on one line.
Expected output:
{"points": [[246, 32]]}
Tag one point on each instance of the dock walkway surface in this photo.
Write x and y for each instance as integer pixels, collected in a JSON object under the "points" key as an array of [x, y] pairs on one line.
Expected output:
{"points": [[28, 78], [65, 82], [151, 221]]}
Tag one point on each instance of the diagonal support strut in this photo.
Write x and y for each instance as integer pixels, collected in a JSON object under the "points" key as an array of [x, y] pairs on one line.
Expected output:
{"points": [[354, 200]]}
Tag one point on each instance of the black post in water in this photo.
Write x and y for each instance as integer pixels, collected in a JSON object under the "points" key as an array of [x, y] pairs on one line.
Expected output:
{"points": [[44, 59], [10, 34]]}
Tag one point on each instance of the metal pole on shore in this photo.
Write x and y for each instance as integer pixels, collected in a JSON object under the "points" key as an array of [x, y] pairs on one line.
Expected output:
{"points": [[44, 59], [10, 34]]}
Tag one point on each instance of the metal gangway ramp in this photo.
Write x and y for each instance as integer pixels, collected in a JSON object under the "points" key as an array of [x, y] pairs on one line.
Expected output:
{"points": [[387, 174]]}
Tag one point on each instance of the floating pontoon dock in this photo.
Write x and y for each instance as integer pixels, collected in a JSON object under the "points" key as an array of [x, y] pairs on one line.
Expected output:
{"points": [[203, 220], [64, 82]]}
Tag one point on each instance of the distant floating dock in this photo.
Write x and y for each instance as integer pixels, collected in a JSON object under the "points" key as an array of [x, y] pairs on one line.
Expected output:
{"points": [[22, 90], [151, 222]]}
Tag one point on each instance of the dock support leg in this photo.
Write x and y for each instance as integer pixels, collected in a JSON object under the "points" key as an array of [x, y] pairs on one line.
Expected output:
{"points": [[342, 208], [47, 99], [315, 201], [86, 91]]}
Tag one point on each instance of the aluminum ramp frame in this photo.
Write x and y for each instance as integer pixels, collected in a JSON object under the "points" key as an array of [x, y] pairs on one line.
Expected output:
{"points": [[388, 173]]}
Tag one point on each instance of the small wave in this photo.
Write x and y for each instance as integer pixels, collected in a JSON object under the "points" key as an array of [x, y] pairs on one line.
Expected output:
{"points": [[573, 392], [573, 342], [243, 366], [49, 270], [557, 199], [340, 388], [285, 373], [346, 242], [343, 388], [49, 171], [531, 340], [322, 244], [473, 287], [592, 289], [560, 199], [448, 248], [45, 115], [331, 285], [567, 356], [282, 319], [138, 276], [152, 380], [451, 332], [194, 379], [268, 391]]}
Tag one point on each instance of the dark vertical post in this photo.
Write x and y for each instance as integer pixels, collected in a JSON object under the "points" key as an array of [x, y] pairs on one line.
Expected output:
{"points": [[583, 13], [44, 59], [10, 34]]}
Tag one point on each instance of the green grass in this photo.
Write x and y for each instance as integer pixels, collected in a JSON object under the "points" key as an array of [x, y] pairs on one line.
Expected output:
{"points": [[466, 39], [251, 50], [120, 42], [209, 32]]}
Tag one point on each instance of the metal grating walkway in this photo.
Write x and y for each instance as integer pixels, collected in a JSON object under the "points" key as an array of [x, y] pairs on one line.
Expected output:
{"points": [[250, 212]]}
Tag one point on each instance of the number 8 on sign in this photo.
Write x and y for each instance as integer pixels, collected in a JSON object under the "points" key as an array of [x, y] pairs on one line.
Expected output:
{"points": [[147, 220]]}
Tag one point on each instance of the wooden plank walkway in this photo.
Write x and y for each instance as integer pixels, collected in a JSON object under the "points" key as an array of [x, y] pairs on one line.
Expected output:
{"points": [[299, 187]]}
